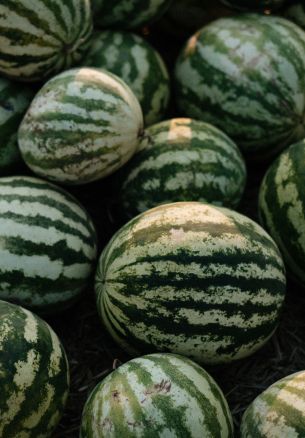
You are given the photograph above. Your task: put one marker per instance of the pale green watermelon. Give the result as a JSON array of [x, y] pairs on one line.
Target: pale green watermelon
[[157, 396], [48, 245], [14, 101], [82, 125], [34, 375], [278, 412], [127, 14], [192, 279], [182, 160], [282, 207], [139, 65], [39, 38], [245, 74]]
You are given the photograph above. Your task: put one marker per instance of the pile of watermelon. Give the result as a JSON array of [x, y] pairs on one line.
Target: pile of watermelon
[[133, 134]]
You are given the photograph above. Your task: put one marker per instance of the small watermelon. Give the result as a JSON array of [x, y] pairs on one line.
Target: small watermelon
[[47, 245], [34, 375], [139, 65], [127, 14], [192, 279], [282, 207], [14, 101], [154, 396], [279, 412], [246, 75], [39, 38], [183, 160], [254, 5], [82, 125]]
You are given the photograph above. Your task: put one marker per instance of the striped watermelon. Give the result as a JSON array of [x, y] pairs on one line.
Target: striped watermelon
[[254, 4], [82, 125], [183, 160], [246, 75], [127, 14], [282, 207], [192, 279], [39, 38], [158, 395], [279, 412], [296, 13], [14, 101], [135, 61], [34, 375], [47, 244]]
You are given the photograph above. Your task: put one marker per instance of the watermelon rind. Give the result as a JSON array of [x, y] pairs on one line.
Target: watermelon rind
[[34, 375], [193, 279], [158, 395]]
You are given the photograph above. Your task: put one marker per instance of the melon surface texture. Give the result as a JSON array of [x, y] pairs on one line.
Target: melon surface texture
[[192, 279]]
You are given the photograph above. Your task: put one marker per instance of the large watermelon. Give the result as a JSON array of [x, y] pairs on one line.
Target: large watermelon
[[39, 38], [282, 207], [183, 160], [14, 101], [154, 396], [34, 375], [246, 75], [136, 62], [256, 5], [127, 14], [47, 244], [82, 125], [192, 279], [279, 412]]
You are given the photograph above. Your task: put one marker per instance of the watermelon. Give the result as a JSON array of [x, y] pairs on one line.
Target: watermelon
[[246, 75], [259, 5], [183, 160], [193, 279], [34, 375], [39, 38], [81, 126], [282, 207], [127, 14], [158, 395], [139, 65], [47, 245], [14, 101], [279, 412], [296, 13]]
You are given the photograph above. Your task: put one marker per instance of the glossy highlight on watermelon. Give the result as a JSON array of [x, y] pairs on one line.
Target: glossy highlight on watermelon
[[81, 126], [183, 160], [245, 74], [154, 396], [40, 38], [48, 245], [139, 65], [282, 207], [192, 279], [34, 375], [279, 411]]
